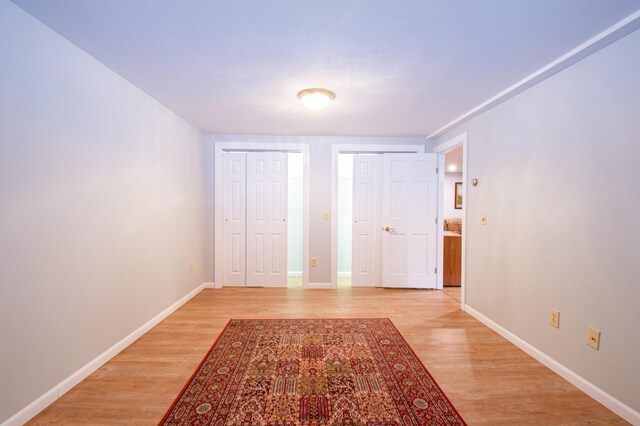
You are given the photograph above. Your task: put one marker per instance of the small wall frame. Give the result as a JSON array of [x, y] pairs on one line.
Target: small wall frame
[[458, 195]]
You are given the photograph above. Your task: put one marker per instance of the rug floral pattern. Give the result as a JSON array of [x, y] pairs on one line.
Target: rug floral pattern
[[311, 372]]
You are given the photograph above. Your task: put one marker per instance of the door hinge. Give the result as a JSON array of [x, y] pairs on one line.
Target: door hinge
[[437, 170], [436, 270], [436, 220]]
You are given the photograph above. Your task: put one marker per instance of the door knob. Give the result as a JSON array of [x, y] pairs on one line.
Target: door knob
[[389, 229]]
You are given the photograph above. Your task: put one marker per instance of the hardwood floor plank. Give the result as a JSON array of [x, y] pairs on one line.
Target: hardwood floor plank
[[489, 380]]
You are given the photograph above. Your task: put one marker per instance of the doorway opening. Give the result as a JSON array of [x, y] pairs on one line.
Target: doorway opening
[[453, 221], [455, 216], [345, 219], [294, 218]]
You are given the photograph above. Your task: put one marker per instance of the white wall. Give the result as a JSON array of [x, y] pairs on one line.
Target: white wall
[[555, 165], [450, 212], [102, 208], [320, 190]]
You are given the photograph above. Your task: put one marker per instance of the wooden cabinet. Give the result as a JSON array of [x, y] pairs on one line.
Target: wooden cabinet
[[452, 263]]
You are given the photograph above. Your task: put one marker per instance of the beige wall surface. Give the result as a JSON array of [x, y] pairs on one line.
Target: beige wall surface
[[319, 189], [558, 179], [102, 192]]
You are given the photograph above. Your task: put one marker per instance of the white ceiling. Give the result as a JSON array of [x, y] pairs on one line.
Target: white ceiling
[[397, 67]]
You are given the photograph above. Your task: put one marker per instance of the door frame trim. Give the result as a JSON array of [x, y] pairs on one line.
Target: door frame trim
[[218, 250], [443, 148], [336, 149]]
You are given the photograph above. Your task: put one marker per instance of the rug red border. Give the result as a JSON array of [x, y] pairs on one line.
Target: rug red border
[[186, 386], [427, 370]]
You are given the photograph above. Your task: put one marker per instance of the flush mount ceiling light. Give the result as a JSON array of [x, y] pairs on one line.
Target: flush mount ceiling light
[[316, 98], [452, 168]]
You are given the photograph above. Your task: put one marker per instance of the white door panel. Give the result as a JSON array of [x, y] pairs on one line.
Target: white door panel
[[410, 208], [266, 219], [366, 236], [234, 176]]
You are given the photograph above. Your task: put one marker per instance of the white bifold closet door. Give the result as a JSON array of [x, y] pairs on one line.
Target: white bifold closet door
[[266, 260], [366, 258], [235, 235], [409, 212]]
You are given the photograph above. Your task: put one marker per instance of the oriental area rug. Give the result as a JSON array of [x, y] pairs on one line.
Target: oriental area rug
[[311, 372]]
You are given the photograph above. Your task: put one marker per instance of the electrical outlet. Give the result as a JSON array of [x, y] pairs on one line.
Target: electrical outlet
[[593, 338], [314, 261], [192, 268], [326, 215], [483, 219], [554, 318]]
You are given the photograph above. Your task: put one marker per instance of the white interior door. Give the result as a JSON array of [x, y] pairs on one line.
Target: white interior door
[[267, 219], [234, 165], [366, 256], [409, 212]]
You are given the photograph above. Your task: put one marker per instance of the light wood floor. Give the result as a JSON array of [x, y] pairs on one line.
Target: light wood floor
[[489, 380], [453, 292]]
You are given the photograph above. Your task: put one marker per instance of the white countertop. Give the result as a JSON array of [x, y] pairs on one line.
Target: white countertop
[[452, 234]]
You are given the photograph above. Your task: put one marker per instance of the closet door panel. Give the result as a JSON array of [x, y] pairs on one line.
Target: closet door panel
[[267, 219], [235, 236]]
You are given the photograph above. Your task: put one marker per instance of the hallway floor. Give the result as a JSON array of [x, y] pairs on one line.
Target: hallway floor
[[489, 380]]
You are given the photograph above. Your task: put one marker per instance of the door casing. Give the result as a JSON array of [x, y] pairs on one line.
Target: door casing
[[460, 140]]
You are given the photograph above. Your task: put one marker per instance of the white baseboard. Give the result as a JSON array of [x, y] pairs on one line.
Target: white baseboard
[[64, 386], [613, 404], [210, 285], [319, 285]]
